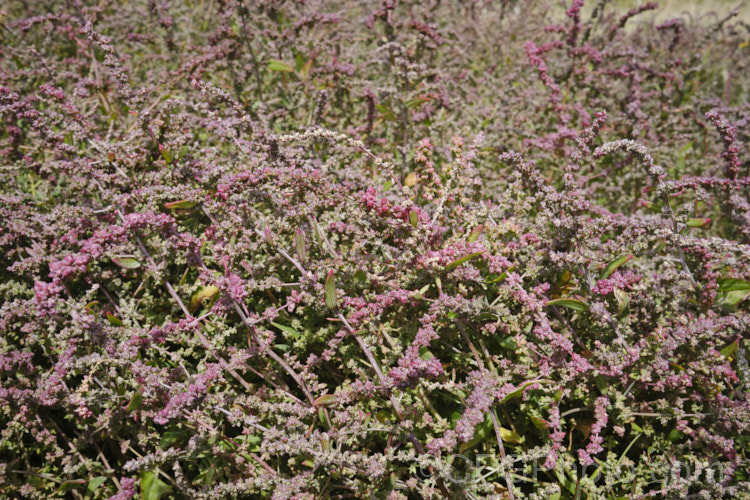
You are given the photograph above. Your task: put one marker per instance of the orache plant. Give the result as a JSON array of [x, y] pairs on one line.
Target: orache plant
[[387, 250]]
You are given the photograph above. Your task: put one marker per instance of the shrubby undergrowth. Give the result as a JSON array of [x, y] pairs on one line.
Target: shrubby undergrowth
[[372, 250]]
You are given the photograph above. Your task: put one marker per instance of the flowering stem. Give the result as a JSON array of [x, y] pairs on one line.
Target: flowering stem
[[176, 298], [656, 173], [495, 423]]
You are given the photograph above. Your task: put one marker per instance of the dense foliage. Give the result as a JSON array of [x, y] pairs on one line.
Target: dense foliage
[[417, 249]]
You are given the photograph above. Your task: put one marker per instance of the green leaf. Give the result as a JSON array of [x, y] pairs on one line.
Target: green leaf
[[35, 481], [168, 438], [113, 320], [576, 305], [205, 294], [330, 289], [454, 417], [519, 392], [501, 277], [153, 488], [166, 154], [595, 473], [251, 439], [299, 245], [674, 435], [94, 484], [731, 299], [391, 484], [411, 179], [539, 423], [287, 329], [612, 266], [558, 395], [135, 402], [322, 418], [278, 65], [416, 102], [206, 475], [325, 444], [425, 353], [414, 219], [383, 416], [69, 485], [487, 316], [460, 261], [387, 114], [510, 436], [299, 60], [90, 307], [508, 343], [474, 234], [731, 284], [182, 204], [732, 348], [564, 279], [698, 222], [623, 299], [420, 293], [126, 262], [325, 400], [563, 480]]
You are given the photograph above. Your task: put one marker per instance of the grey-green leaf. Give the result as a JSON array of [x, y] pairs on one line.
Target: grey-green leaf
[[330, 288], [153, 488], [94, 484], [299, 244], [474, 234], [730, 299], [731, 284], [135, 402], [576, 305], [414, 219], [180, 204], [612, 266], [126, 262], [287, 329], [698, 222], [460, 261], [623, 299], [277, 65]]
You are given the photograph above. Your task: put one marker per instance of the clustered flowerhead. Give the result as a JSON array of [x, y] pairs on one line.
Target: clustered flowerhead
[[303, 250]]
